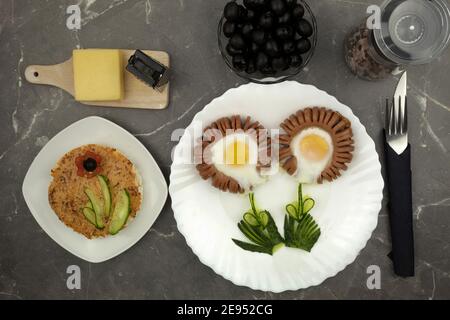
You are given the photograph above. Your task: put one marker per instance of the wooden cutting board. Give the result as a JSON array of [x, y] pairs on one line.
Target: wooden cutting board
[[137, 94]]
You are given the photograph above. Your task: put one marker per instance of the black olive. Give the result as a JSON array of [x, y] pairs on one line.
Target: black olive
[[231, 11], [266, 21], [239, 62], [251, 67], [229, 28], [251, 15], [268, 70], [304, 28], [278, 7], [291, 3], [258, 36], [280, 63], [303, 45], [242, 13], [250, 4], [288, 47], [89, 164], [272, 48], [262, 60], [284, 33], [298, 11], [296, 60], [254, 48], [247, 30], [261, 4], [285, 18], [233, 51], [237, 41]]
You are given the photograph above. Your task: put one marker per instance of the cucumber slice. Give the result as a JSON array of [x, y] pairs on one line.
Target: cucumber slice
[[97, 207], [120, 213], [89, 214], [104, 185]]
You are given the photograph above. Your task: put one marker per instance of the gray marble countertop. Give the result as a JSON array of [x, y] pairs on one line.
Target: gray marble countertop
[[161, 265]]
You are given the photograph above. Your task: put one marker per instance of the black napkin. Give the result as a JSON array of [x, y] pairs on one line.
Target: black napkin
[[398, 169]]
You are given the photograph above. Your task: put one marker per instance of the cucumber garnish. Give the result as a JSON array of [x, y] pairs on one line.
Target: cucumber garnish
[[104, 186], [259, 227], [97, 206], [120, 213], [300, 229], [88, 205], [90, 215]]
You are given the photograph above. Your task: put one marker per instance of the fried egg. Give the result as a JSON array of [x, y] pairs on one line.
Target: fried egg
[[313, 149], [236, 155]]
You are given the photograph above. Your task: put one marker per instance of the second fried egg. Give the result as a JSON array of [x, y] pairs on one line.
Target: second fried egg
[[313, 149]]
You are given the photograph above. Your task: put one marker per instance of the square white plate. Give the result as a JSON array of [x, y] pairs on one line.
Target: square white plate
[[99, 131]]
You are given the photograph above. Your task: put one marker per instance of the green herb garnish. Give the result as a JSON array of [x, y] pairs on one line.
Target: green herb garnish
[[300, 229], [260, 228]]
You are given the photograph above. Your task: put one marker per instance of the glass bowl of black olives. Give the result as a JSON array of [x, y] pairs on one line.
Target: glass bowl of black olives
[[267, 41]]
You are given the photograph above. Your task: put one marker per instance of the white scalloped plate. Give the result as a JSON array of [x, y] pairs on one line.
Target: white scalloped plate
[[346, 209]]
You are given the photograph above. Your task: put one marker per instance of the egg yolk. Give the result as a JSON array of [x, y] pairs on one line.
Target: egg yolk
[[236, 153], [314, 147]]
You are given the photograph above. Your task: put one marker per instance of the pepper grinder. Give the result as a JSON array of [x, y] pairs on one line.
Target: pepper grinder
[[410, 32]]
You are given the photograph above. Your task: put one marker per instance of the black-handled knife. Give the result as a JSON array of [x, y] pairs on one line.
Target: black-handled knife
[[398, 169]]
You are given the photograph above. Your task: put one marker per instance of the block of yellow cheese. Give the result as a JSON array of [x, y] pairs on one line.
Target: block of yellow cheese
[[98, 74]]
